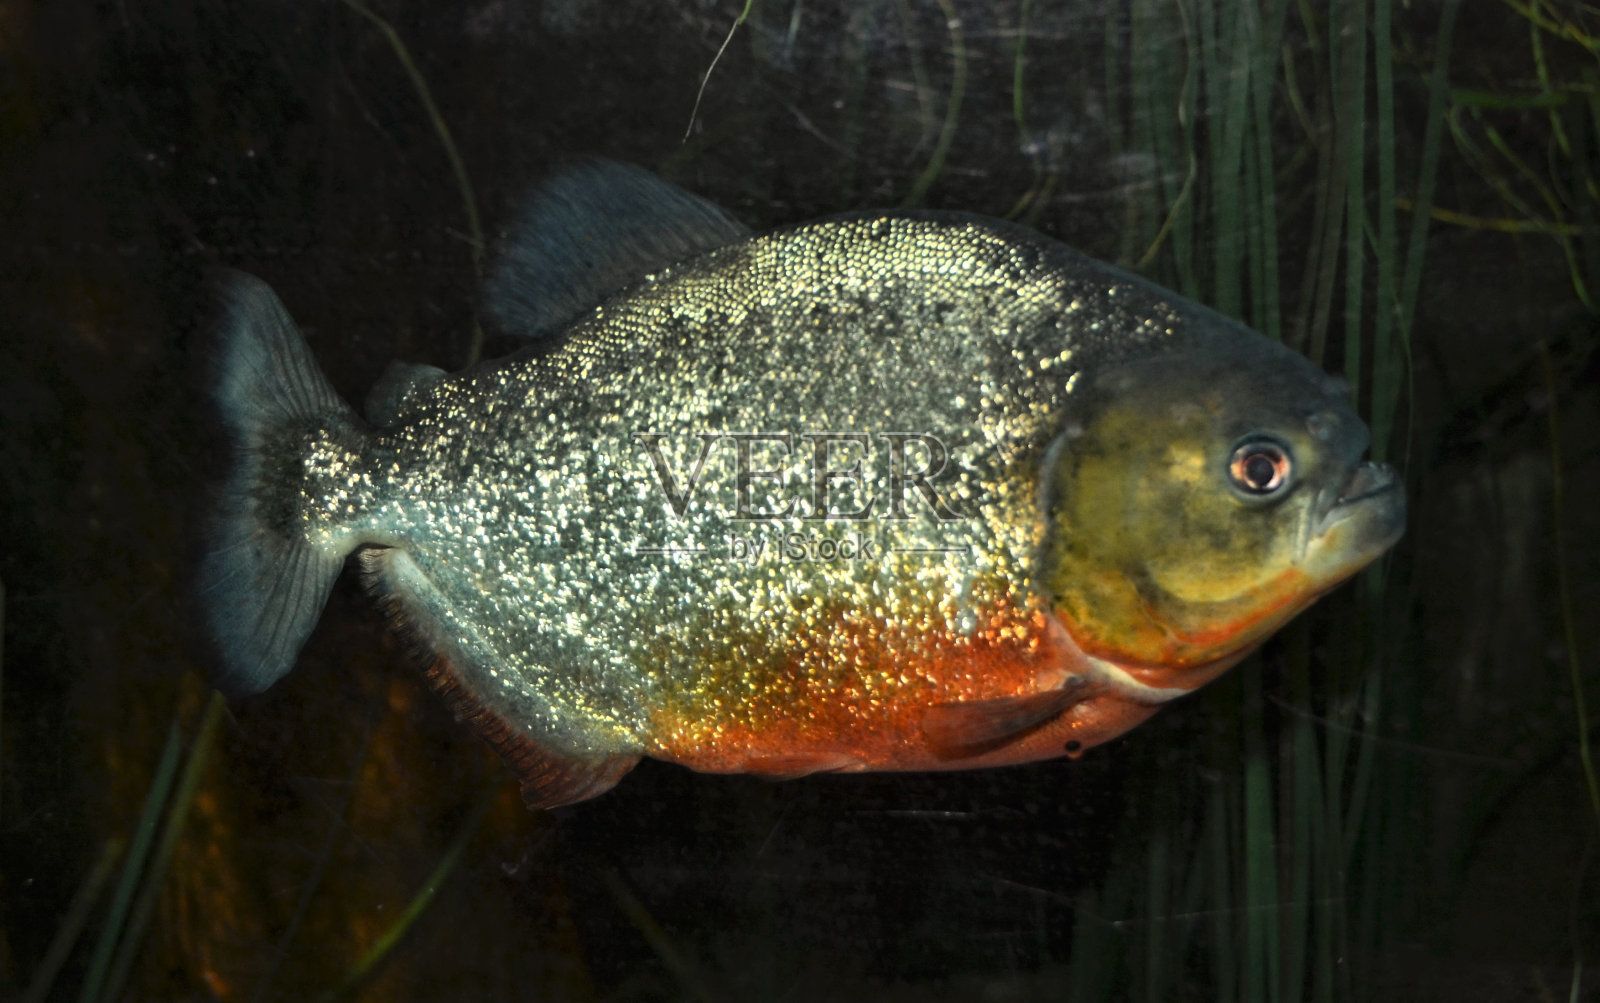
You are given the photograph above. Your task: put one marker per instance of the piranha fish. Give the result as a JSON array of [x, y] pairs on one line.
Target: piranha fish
[[887, 491]]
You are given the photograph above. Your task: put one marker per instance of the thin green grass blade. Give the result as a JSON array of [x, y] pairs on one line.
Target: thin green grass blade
[[337, 827], [1186, 101], [919, 73], [1117, 60], [161, 860], [133, 864], [1354, 91], [679, 965], [1260, 849], [1093, 950], [1387, 360], [1427, 176], [373, 960], [1043, 151], [1555, 225], [1019, 112], [1139, 240], [1296, 780], [1564, 586], [1322, 264], [952, 109], [3, 759], [458, 168], [1324, 880], [1347, 38], [1192, 895], [706, 78], [1164, 124], [1225, 56], [1225, 947], [1541, 68], [1263, 85], [73, 922], [1158, 873]]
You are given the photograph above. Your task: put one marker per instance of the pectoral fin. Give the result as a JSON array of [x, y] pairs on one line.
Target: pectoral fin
[[965, 728]]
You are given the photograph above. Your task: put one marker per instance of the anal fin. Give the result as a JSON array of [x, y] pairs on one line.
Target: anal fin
[[549, 779], [550, 776]]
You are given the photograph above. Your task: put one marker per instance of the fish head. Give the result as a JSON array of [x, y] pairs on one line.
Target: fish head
[[1196, 501]]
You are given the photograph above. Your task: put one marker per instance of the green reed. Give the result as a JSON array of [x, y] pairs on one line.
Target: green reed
[[372, 961], [2, 689], [133, 866], [142, 877], [73, 922], [1241, 105], [952, 109], [458, 168]]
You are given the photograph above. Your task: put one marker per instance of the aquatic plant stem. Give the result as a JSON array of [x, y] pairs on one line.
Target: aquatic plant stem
[[1427, 176], [161, 860], [457, 166], [132, 865], [2, 690], [1497, 224], [1387, 360], [73, 922], [379, 952], [952, 108], [1564, 586], [657, 937], [337, 826], [1030, 201], [706, 78]]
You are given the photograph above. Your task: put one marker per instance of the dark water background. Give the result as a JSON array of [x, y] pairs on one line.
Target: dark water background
[[142, 145]]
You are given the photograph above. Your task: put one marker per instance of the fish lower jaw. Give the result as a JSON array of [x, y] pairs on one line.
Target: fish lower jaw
[[1372, 500]]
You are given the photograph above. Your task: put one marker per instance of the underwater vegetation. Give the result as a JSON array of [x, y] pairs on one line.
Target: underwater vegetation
[[1395, 798]]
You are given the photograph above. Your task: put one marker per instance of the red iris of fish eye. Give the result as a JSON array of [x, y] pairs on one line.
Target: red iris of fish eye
[[1259, 467]]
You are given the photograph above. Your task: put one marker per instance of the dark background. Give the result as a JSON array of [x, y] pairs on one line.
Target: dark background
[[144, 144]]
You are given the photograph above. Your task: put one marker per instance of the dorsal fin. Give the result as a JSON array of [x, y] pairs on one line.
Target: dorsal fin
[[589, 232], [398, 385]]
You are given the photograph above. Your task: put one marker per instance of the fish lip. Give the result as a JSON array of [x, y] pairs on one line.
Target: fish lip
[[1367, 481], [1366, 513]]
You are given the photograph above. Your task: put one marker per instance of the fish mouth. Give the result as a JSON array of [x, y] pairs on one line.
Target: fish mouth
[[1365, 481], [1372, 501]]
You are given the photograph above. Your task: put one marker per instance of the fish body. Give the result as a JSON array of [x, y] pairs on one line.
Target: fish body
[[888, 491]]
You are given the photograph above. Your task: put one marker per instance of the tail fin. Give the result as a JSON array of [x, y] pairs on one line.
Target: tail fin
[[262, 583]]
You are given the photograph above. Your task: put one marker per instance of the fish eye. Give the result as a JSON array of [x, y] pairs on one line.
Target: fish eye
[[1260, 467]]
